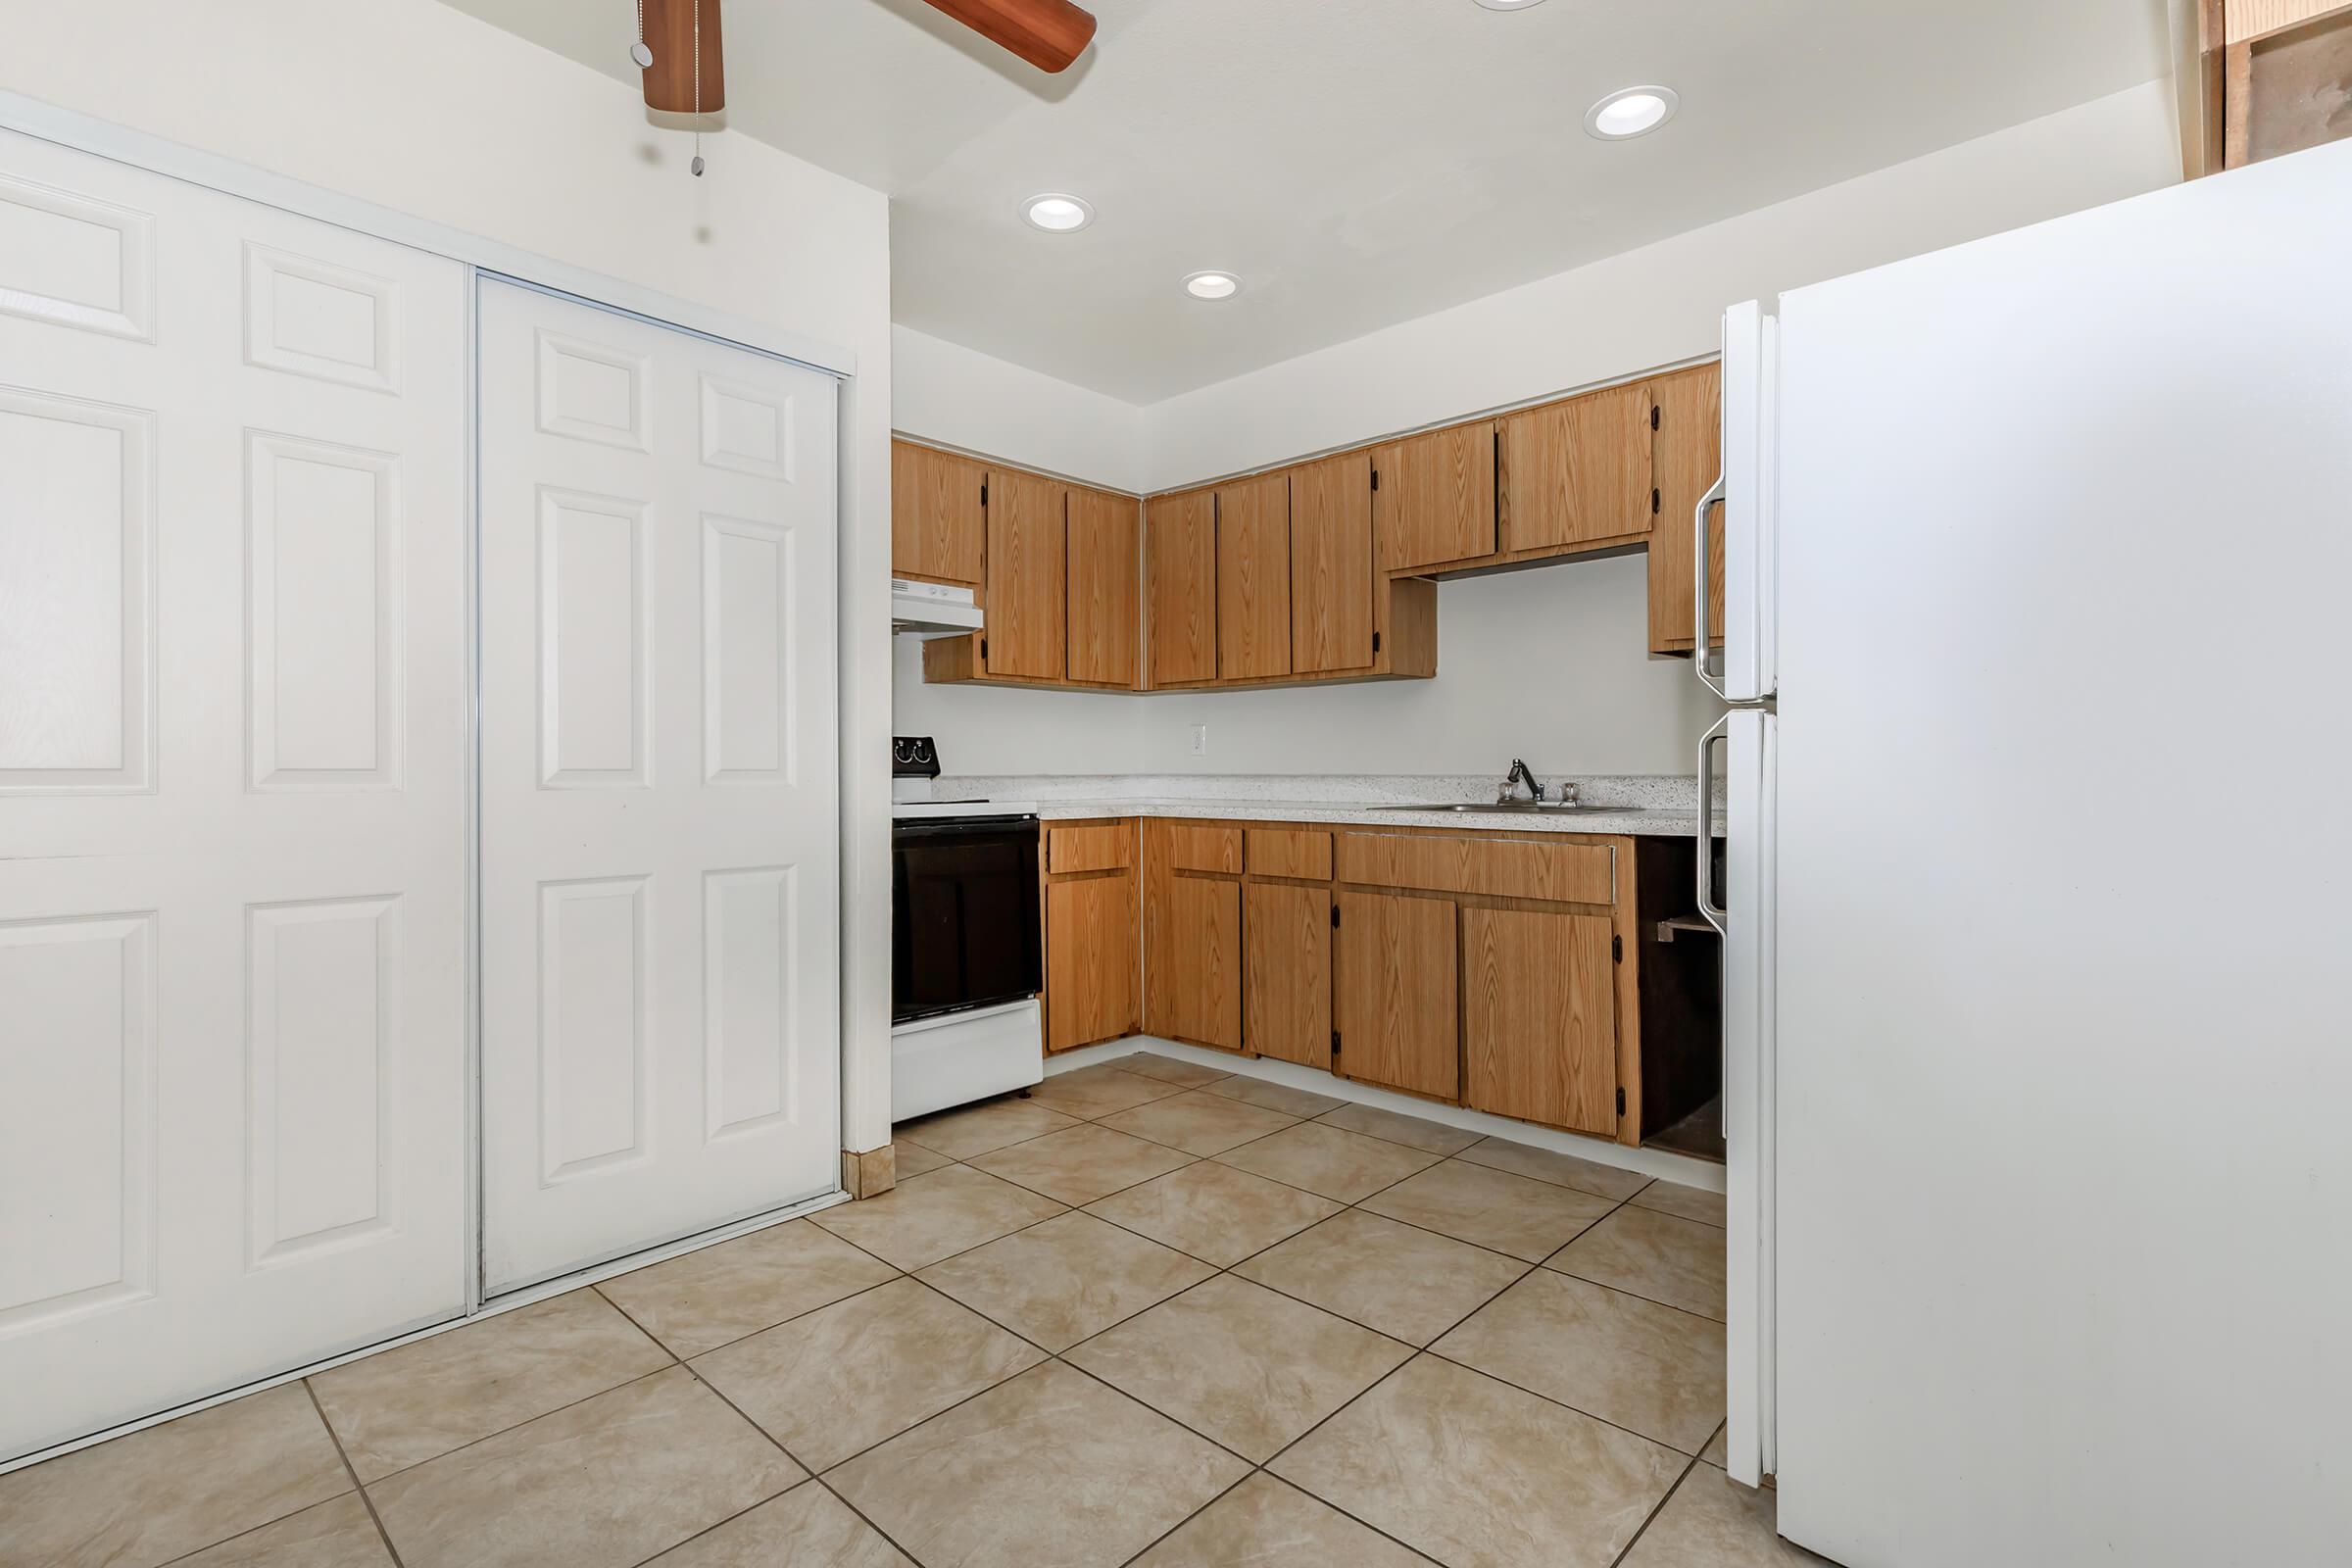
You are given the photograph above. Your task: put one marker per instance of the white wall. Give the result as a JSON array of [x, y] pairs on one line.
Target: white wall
[[1549, 664], [416, 107], [953, 396]]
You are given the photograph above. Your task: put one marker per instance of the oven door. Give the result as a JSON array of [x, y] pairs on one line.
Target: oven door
[[963, 914]]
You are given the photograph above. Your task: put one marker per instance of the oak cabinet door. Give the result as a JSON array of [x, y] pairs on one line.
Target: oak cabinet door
[[1025, 600], [1180, 545], [1331, 564], [1577, 471], [1393, 993], [1193, 980], [1090, 959], [935, 515], [1539, 1017], [1285, 968], [1435, 500], [1102, 588], [1689, 458], [1254, 578]]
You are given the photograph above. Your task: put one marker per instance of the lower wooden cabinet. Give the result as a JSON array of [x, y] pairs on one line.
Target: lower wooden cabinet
[[1539, 1017], [1481, 970], [1286, 969], [1393, 993], [1090, 959]]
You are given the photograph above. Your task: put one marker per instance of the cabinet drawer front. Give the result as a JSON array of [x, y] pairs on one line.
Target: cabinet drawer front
[[1206, 849], [1511, 868], [1089, 848], [1289, 852]]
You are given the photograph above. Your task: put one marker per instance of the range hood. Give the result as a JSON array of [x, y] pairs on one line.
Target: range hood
[[931, 610]]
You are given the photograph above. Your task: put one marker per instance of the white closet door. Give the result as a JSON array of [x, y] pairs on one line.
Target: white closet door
[[232, 810], [660, 838]]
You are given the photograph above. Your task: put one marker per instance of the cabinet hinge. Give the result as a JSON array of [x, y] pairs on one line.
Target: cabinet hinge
[[1376, 649], [1617, 946], [1335, 1042], [1335, 909], [1653, 503], [984, 492], [1621, 1100], [1375, 479], [1654, 416], [984, 659]]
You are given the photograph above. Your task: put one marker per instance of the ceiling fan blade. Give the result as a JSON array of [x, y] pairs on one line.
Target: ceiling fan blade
[[1048, 33], [676, 29]]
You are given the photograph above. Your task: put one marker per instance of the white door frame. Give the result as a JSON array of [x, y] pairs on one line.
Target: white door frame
[[102, 139]]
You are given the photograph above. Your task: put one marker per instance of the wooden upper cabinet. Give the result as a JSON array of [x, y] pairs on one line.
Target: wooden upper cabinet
[[1393, 992], [1435, 500], [1689, 459], [1254, 577], [1331, 564], [1180, 544], [1577, 471], [1539, 1017], [1024, 601], [1104, 636], [936, 516]]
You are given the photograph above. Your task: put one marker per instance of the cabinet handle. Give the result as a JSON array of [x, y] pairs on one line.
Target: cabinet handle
[[1701, 631], [1714, 914]]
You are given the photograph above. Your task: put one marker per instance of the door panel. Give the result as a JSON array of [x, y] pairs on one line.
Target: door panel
[[1102, 588], [1539, 1017], [233, 791], [1436, 501], [1254, 578], [660, 826], [1090, 959], [1331, 564], [1393, 993], [1286, 971], [1026, 603], [1181, 538], [1576, 471], [937, 519], [1690, 458]]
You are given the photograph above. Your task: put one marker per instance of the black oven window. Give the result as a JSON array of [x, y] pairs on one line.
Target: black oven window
[[964, 911]]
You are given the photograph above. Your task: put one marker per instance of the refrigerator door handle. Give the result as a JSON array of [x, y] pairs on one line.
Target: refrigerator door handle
[[1700, 633], [1715, 913]]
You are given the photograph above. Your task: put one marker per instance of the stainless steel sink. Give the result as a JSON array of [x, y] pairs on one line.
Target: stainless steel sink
[[1508, 808]]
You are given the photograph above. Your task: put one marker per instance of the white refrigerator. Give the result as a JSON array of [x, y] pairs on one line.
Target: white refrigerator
[[2037, 951]]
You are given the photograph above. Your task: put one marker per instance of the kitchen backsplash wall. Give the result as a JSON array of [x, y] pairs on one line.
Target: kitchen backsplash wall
[[1547, 664]]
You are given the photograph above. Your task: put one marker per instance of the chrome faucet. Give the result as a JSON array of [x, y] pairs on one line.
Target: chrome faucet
[[1518, 775]]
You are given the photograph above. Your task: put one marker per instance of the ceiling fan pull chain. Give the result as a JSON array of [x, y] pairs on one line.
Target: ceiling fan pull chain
[[638, 51], [697, 166]]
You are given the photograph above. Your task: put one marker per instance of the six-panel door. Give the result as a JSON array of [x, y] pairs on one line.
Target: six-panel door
[[660, 1042], [233, 791]]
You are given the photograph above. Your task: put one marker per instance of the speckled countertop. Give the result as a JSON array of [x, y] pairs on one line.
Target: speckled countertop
[[1655, 803]]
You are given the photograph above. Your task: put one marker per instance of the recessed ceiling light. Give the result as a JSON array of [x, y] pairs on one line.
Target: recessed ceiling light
[[1630, 112], [1057, 214], [1212, 285], [1509, 5]]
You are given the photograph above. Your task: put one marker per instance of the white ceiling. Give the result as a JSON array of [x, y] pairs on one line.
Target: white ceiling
[[1358, 161]]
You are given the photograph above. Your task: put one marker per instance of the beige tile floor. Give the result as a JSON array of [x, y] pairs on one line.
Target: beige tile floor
[[1151, 1314]]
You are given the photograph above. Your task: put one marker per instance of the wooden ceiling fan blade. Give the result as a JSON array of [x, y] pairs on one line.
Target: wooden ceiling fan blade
[[678, 32], [1048, 33]]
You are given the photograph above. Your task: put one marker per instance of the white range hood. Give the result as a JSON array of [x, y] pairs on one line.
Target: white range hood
[[931, 610]]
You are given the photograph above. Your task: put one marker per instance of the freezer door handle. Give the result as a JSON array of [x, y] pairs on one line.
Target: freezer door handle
[[1700, 633], [1716, 915]]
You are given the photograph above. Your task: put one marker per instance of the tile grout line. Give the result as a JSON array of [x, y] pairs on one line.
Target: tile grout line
[[1651, 1517], [351, 1470]]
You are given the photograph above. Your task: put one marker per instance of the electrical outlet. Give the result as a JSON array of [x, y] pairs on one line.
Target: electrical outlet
[[1199, 740]]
